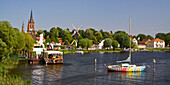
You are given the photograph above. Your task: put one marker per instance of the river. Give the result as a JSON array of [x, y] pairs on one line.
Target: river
[[80, 70]]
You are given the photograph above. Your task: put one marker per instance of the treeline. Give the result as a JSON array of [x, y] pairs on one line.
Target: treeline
[[12, 41], [95, 36], [163, 36]]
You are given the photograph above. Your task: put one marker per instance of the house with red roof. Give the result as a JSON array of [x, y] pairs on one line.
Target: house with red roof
[[144, 42], [156, 43]]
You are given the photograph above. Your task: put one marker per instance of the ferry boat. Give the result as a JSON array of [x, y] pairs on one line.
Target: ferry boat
[[53, 57], [125, 65]]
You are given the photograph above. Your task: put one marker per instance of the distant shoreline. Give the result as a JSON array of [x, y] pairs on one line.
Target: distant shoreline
[[116, 51]]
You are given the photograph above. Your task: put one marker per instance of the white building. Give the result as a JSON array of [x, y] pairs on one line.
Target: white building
[[156, 43], [135, 41], [100, 45]]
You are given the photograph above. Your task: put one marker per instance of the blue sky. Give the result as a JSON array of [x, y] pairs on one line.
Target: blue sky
[[148, 16]]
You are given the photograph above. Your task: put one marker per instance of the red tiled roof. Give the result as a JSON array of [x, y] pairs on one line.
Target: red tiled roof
[[157, 39], [144, 40]]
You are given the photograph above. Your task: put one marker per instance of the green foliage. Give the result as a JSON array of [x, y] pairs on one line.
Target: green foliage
[[40, 32], [85, 43], [53, 32], [89, 43], [115, 34], [48, 40], [99, 36], [123, 39], [45, 44], [3, 49], [114, 44], [19, 43], [167, 39], [66, 35], [161, 36], [82, 33], [12, 41], [10, 79], [95, 41], [29, 42], [46, 34], [149, 37], [108, 35], [6, 34], [59, 31], [89, 34], [107, 42], [141, 37]]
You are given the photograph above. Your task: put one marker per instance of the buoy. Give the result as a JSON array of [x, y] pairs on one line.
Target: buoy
[[154, 61], [95, 64]]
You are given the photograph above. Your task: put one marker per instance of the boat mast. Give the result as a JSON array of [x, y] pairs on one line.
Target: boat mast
[[130, 38]]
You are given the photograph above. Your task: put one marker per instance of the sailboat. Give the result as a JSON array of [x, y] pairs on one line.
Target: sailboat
[[125, 65]]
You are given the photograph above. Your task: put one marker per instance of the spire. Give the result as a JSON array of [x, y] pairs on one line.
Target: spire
[[31, 18], [22, 26]]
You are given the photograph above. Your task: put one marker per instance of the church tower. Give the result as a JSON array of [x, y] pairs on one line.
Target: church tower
[[23, 27], [31, 27]]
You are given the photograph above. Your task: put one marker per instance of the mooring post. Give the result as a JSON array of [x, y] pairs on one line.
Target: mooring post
[[95, 64], [154, 64]]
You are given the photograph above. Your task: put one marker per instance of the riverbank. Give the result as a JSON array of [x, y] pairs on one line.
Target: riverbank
[[158, 49], [111, 50], [11, 79], [90, 51]]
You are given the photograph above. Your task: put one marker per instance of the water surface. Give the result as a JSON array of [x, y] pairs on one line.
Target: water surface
[[79, 70]]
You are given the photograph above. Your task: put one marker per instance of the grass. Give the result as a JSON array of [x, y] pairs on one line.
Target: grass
[[89, 51], [11, 79], [158, 49]]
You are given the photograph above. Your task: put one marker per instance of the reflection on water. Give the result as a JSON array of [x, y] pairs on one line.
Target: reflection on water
[[48, 73], [79, 70], [128, 77]]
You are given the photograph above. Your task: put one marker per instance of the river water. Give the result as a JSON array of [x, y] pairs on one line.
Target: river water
[[80, 70]]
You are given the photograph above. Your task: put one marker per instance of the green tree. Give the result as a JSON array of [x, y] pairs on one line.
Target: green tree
[[115, 34], [161, 36], [59, 31], [48, 40], [114, 44], [89, 34], [141, 37], [3, 49], [103, 33], [46, 33], [85, 43], [6, 34], [54, 32], [149, 37], [108, 35], [19, 41], [89, 43], [167, 39], [40, 32], [66, 35], [82, 43], [29, 42], [82, 33], [99, 36], [123, 39], [95, 41], [107, 42]]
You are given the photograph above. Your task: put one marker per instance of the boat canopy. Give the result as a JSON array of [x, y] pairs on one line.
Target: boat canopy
[[53, 52], [127, 60]]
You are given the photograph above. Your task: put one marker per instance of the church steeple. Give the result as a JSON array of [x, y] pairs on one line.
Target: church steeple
[[31, 18], [31, 27]]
